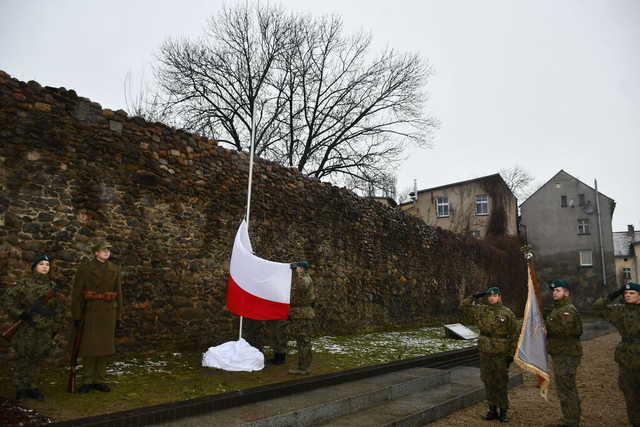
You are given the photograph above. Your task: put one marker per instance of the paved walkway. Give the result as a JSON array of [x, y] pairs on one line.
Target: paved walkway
[[602, 400]]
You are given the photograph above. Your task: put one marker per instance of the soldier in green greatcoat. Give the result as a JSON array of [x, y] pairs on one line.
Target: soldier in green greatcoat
[[96, 307], [301, 315], [42, 321], [497, 345], [626, 318], [564, 328]]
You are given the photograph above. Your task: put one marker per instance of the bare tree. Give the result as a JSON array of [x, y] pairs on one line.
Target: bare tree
[[519, 181], [321, 101]]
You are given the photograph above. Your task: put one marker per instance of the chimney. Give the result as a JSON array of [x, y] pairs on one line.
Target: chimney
[[630, 230]]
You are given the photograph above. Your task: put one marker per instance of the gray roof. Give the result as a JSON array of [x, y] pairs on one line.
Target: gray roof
[[622, 242]]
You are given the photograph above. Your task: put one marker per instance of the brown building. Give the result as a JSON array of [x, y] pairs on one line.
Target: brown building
[[479, 207]]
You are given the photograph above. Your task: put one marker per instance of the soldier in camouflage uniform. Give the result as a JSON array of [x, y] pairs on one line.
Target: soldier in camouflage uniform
[[626, 318], [301, 314], [42, 321], [497, 344], [564, 328]]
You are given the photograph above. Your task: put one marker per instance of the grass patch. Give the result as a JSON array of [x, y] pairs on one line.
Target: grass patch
[[151, 378]]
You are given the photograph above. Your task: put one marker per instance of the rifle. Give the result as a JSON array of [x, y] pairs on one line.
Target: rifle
[[35, 308], [75, 350]]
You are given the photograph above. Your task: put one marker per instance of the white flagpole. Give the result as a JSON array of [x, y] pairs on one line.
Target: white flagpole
[[252, 137]]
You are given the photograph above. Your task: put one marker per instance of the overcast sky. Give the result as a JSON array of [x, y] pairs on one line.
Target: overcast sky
[[544, 84]]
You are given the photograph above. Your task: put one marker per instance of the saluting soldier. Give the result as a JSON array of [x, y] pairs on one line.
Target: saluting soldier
[[497, 344], [42, 321], [564, 328], [97, 306], [301, 313], [626, 318]]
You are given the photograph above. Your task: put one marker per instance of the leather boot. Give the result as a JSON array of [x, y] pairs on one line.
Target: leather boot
[[492, 414], [85, 388], [278, 359], [22, 394], [101, 387], [503, 416], [36, 394]]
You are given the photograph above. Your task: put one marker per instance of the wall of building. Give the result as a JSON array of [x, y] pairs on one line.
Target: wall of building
[[462, 208], [170, 203], [552, 230]]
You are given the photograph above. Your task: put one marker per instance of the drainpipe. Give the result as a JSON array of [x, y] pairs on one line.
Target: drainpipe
[[604, 270]]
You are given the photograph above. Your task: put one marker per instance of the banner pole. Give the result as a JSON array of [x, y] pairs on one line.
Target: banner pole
[[251, 148]]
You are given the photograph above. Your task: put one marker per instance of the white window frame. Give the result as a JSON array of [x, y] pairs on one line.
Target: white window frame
[[482, 200], [442, 207], [476, 234], [626, 274], [584, 226], [583, 259]]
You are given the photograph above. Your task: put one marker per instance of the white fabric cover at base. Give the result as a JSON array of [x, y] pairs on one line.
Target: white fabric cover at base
[[234, 356]]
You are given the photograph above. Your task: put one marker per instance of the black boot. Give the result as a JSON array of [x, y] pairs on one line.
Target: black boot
[[22, 394], [278, 358], [101, 387], [492, 414], [503, 416], [85, 388], [36, 394]]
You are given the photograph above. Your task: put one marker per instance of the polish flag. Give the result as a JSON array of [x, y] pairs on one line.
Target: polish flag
[[257, 288]]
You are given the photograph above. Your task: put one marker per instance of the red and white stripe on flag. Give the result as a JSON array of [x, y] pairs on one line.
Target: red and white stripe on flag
[[257, 288]]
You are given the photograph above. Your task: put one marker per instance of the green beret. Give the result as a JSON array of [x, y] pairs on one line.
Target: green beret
[[303, 264], [632, 287], [99, 245], [494, 290], [37, 260], [559, 284]]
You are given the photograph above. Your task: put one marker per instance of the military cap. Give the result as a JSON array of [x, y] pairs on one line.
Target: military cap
[[631, 286], [303, 264], [494, 290], [99, 245], [37, 260], [559, 284]]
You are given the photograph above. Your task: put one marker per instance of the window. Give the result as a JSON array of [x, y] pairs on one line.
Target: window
[[563, 201], [475, 234], [586, 259], [583, 226], [482, 204], [626, 274], [442, 206], [581, 200]]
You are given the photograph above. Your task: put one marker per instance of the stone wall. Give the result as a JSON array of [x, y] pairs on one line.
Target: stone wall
[[170, 203]]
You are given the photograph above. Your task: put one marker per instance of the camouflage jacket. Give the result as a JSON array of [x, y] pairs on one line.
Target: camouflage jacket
[[564, 328], [626, 319], [27, 290], [497, 324], [303, 296]]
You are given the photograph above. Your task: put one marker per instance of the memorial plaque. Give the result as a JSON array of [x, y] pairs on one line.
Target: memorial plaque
[[459, 331]]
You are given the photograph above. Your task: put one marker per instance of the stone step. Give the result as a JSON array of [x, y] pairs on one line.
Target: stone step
[[316, 406], [418, 409]]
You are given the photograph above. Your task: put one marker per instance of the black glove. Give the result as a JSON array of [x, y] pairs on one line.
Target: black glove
[[479, 294], [77, 324], [616, 294], [509, 360], [26, 317], [293, 266]]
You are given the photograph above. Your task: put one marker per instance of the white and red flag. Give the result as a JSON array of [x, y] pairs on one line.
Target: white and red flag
[[257, 288]]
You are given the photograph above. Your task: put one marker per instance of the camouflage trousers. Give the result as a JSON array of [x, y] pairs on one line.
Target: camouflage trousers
[[280, 335], [32, 346], [564, 372], [629, 382], [300, 329], [494, 373]]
